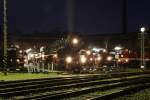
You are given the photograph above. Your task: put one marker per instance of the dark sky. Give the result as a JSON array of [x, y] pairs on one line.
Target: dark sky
[[88, 16]]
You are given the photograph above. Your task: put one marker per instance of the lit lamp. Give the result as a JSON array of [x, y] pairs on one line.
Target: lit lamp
[[83, 59], [55, 55], [109, 58], [68, 60], [88, 52], [75, 41], [143, 29], [99, 58]]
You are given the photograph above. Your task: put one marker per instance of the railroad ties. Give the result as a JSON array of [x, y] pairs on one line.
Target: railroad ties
[[92, 87]]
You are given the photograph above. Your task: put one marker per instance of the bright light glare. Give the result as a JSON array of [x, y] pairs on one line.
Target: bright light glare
[[83, 59], [143, 29], [18, 60], [20, 51], [88, 52], [104, 50], [117, 48], [109, 58], [126, 60], [91, 59], [142, 66], [36, 55], [96, 49], [43, 56], [55, 55], [75, 41], [68, 59], [25, 60], [99, 58]]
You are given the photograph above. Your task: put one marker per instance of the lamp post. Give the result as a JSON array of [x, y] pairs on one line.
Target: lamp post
[[142, 46], [5, 34]]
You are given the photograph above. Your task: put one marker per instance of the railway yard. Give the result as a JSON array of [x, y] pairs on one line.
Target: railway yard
[[117, 86]]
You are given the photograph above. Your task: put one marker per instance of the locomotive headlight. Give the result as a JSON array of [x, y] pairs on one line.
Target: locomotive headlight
[[109, 58], [69, 59]]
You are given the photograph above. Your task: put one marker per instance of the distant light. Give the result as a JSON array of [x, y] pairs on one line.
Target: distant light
[[104, 50], [55, 56], [18, 60], [83, 59], [99, 58], [117, 48], [36, 55], [121, 55], [42, 49], [142, 66], [20, 51], [88, 52], [119, 60], [96, 49], [25, 60], [75, 41], [142, 29], [127, 60], [43, 55], [68, 59], [109, 58], [91, 59], [17, 69]]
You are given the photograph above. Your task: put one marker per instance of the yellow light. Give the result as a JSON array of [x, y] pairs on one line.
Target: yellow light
[[25, 60], [55, 56], [75, 41], [119, 60], [121, 55], [104, 50], [68, 59], [36, 55], [99, 58], [109, 58], [88, 52], [91, 59], [20, 51], [83, 59], [18, 60], [127, 60], [43, 55]]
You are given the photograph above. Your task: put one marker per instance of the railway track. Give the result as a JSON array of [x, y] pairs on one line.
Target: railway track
[[85, 90], [60, 88]]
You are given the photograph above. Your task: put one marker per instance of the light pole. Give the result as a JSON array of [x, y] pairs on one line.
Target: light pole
[[142, 37], [5, 34], [5, 27]]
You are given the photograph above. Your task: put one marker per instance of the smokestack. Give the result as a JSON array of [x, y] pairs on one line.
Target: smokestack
[[124, 16]]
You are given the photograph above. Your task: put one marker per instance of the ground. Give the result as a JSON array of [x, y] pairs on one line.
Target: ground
[[24, 76]]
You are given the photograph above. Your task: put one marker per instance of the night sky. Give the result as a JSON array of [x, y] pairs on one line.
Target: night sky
[[87, 16]]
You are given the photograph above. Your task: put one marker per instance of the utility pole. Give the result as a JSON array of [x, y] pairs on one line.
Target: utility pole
[[5, 34], [142, 37], [5, 27]]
